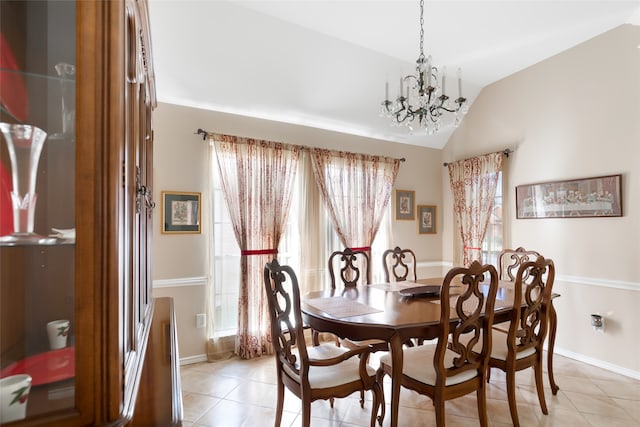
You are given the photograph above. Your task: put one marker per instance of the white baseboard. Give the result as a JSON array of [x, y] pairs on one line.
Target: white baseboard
[[598, 363], [193, 359]]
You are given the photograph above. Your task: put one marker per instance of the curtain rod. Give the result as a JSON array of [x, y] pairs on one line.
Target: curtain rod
[[202, 132], [205, 134], [506, 152]]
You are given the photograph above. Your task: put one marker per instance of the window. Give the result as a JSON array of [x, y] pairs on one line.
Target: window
[[226, 255], [379, 245], [492, 243], [226, 259]]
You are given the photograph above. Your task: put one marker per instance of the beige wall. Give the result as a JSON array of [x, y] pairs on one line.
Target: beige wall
[[572, 116], [180, 164], [575, 115]]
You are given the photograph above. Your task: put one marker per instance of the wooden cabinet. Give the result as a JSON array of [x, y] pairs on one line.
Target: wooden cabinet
[[94, 176]]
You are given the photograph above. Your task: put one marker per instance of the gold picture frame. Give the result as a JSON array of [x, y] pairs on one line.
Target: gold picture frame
[[405, 205], [426, 219], [180, 212]]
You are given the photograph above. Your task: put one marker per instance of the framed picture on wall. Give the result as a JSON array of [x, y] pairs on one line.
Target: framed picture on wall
[[575, 198], [180, 212], [405, 204], [426, 219]]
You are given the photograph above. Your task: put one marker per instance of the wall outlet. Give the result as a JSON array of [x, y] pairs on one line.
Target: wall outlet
[[597, 322], [201, 320]]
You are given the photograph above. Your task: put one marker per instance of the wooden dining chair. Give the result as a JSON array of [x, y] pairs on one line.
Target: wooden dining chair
[[449, 369], [510, 260], [316, 372], [521, 346], [350, 267], [347, 266], [399, 263]]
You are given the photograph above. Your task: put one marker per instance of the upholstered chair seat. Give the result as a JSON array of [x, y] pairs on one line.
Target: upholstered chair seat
[[414, 365]]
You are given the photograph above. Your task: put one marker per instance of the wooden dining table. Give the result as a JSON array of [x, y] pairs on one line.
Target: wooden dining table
[[379, 311]]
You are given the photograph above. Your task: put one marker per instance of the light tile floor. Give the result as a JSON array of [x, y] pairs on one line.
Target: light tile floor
[[236, 393]]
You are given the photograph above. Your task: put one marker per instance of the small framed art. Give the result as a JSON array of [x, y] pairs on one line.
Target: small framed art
[[405, 204], [180, 212], [426, 219]]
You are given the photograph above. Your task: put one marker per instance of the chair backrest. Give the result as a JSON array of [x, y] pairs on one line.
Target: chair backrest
[[351, 262], [471, 315], [287, 335], [533, 285], [401, 263], [510, 260]]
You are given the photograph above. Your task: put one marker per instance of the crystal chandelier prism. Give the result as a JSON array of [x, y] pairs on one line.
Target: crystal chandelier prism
[[422, 101]]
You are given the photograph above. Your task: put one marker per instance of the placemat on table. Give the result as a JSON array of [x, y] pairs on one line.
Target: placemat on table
[[341, 307]]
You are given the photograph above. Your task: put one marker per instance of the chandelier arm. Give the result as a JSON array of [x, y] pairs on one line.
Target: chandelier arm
[[408, 115], [455, 110]]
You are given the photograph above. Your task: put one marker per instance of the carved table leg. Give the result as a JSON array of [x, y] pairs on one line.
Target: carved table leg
[[553, 323], [396, 377]]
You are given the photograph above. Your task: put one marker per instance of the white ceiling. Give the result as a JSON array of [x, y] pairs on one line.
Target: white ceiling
[[325, 63]]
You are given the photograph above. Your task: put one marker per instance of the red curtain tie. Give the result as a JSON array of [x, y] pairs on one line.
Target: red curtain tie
[[363, 249], [259, 252], [476, 249]]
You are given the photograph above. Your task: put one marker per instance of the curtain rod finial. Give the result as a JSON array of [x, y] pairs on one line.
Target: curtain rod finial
[[203, 133]]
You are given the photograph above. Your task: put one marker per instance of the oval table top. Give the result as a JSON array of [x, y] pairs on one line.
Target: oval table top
[[379, 310]]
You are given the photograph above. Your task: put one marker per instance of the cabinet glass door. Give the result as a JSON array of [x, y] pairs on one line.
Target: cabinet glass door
[[37, 207]]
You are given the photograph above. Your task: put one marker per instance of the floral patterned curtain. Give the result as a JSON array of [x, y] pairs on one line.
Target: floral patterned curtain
[[473, 183], [356, 189], [257, 179]]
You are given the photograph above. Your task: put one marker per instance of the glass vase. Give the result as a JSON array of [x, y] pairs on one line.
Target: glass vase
[[67, 73], [24, 143]]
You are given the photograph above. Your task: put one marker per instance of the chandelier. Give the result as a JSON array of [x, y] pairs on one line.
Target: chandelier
[[422, 98]]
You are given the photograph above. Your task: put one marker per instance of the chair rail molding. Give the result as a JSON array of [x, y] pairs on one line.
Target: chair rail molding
[[603, 283]]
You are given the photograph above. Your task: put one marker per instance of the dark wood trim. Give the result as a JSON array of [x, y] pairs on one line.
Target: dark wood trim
[[159, 400]]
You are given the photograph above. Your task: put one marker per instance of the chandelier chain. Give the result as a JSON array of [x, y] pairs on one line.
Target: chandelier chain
[[421, 30]]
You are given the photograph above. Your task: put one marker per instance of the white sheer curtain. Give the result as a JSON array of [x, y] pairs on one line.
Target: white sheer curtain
[[473, 183], [312, 223], [356, 189], [257, 179], [212, 298], [223, 276]]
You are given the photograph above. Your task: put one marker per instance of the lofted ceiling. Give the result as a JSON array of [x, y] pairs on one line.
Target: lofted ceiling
[[325, 63]]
